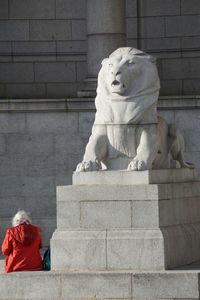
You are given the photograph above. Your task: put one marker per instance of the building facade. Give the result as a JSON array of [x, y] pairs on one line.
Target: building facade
[[44, 126]]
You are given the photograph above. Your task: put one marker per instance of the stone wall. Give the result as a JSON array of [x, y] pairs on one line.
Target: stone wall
[[38, 151], [41, 144], [42, 48], [43, 45], [170, 31]]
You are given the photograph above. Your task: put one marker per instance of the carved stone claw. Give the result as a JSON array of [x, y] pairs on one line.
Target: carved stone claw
[[137, 165], [86, 166]]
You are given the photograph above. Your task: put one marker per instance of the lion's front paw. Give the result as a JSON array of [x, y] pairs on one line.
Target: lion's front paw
[[86, 166], [137, 165]]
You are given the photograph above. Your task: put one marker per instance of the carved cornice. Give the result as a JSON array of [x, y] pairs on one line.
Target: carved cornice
[[87, 104]]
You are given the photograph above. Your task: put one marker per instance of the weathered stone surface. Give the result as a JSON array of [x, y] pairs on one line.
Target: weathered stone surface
[[79, 30], [108, 286], [55, 72], [17, 72], [48, 30], [81, 70], [60, 90], [5, 48], [77, 250], [135, 249], [152, 27], [135, 178], [70, 9], [131, 8], [72, 46], [4, 9], [33, 289], [30, 143], [132, 28], [68, 216], [103, 285], [2, 144], [165, 285], [85, 209], [171, 87], [189, 8], [27, 89], [159, 8], [12, 123], [53, 123], [161, 43], [105, 214], [188, 121], [178, 69], [39, 9], [182, 26], [190, 86], [29, 47], [107, 192], [13, 30], [111, 12]]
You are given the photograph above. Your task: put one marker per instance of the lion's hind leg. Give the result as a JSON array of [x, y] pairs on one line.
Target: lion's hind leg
[[177, 148], [147, 148]]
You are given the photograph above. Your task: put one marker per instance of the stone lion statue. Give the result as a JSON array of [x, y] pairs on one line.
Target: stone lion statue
[[127, 133]]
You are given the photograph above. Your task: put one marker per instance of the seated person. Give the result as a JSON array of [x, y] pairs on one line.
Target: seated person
[[21, 245]]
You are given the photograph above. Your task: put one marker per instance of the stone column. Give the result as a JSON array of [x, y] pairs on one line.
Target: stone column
[[106, 31]]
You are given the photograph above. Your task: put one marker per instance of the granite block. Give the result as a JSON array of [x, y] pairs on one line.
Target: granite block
[[55, 72], [39, 9], [14, 30], [50, 30]]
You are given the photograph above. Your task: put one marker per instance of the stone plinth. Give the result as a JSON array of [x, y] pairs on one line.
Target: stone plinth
[[127, 221], [170, 285], [135, 178]]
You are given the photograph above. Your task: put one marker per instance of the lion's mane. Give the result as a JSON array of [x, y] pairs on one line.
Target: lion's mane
[[141, 95]]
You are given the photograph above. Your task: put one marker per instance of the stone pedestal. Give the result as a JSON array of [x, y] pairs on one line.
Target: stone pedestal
[[115, 238], [110, 220]]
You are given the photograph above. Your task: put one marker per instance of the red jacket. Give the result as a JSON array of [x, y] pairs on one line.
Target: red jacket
[[21, 246]]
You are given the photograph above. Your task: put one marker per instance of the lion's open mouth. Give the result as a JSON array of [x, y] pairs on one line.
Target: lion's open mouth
[[115, 82]]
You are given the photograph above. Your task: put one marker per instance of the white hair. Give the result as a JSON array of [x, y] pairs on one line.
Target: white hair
[[21, 217]]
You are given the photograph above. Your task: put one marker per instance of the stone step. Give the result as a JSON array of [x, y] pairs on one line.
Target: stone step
[[51, 285], [1, 264]]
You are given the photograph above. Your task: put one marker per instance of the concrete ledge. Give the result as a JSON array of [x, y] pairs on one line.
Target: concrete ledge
[[135, 177], [123, 285]]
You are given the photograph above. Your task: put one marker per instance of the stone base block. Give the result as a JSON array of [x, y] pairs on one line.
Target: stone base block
[[136, 249], [127, 206], [170, 285], [107, 250], [135, 177]]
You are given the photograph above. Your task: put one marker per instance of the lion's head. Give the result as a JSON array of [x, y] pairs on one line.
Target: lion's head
[[128, 72], [128, 88]]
